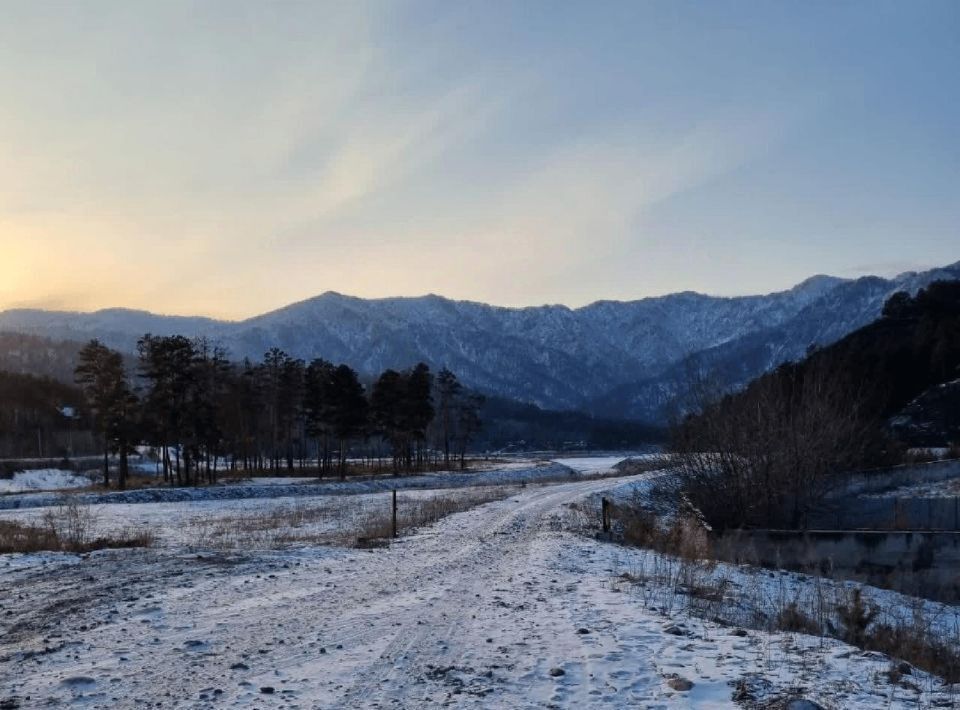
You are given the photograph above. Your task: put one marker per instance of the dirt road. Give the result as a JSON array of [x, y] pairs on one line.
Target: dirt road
[[465, 611], [503, 606]]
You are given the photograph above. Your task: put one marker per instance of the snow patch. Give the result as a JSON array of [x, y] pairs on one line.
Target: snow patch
[[44, 479]]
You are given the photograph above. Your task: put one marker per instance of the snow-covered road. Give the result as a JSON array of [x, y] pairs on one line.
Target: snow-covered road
[[495, 607]]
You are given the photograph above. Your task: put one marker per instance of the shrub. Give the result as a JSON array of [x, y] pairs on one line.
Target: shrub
[[792, 618], [67, 528], [856, 616]]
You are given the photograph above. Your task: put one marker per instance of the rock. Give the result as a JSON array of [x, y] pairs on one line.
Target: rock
[[557, 672], [681, 684], [674, 630], [738, 632], [905, 668], [582, 630], [267, 690], [239, 667]]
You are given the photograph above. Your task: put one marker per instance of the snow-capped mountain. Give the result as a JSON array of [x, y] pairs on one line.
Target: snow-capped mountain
[[618, 358]]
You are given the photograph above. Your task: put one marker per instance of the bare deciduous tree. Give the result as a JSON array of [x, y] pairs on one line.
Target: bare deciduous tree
[[768, 455]]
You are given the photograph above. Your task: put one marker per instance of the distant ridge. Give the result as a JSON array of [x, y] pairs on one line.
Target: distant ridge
[[614, 358]]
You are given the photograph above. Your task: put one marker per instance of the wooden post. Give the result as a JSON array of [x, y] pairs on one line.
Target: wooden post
[[605, 514], [394, 517]]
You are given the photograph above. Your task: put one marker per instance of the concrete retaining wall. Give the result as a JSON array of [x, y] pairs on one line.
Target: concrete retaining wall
[[921, 563], [888, 513]]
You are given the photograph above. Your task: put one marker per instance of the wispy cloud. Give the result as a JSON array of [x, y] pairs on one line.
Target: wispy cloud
[[225, 157]]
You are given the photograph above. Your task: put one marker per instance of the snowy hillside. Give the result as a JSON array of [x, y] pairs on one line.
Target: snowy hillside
[[613, 357]]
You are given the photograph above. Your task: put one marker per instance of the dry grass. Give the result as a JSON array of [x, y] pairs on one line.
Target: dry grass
[[792, 618], [67, 528], [270, 529], [682, 537], [351, 521], [413, 513], [668, 584]]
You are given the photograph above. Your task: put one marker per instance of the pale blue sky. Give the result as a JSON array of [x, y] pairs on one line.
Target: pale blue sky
[[229, 157]]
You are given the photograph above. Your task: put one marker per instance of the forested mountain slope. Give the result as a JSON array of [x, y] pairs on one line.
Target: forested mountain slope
[[614, 358]]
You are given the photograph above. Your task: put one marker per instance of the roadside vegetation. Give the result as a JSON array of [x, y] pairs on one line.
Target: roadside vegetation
[[414, 513], [677, 572], [358, 520]]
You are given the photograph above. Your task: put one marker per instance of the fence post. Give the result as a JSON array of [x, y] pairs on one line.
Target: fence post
[[605, 514], [393, 520]]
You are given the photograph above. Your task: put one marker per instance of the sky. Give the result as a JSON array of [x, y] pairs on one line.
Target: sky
[[227, 158]]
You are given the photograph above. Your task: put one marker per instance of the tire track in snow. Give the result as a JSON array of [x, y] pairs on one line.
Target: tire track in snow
[[274, 613]]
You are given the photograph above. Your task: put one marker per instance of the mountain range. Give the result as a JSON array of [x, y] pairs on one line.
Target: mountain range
[[625, 359]]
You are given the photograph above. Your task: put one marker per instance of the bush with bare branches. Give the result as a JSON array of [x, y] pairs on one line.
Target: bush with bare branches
[[766, 456]]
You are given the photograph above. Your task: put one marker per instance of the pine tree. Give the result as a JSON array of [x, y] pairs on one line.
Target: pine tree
[[418, 409], [316, 405], [468, 422], [168, 366], [347, 409], [100, 373], [386, 402], [448, 393]]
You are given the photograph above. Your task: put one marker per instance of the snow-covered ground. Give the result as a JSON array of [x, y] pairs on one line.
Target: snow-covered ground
[[532, 472], [252, 523], [502, 606], [591, 464], [45, 479]]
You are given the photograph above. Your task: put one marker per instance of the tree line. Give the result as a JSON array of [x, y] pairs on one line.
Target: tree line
[[39, 418], [201, 411]]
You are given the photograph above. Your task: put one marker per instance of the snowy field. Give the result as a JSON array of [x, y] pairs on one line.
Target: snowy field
[[507, 605], [253, 523], [530, 472], [45, 479]]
